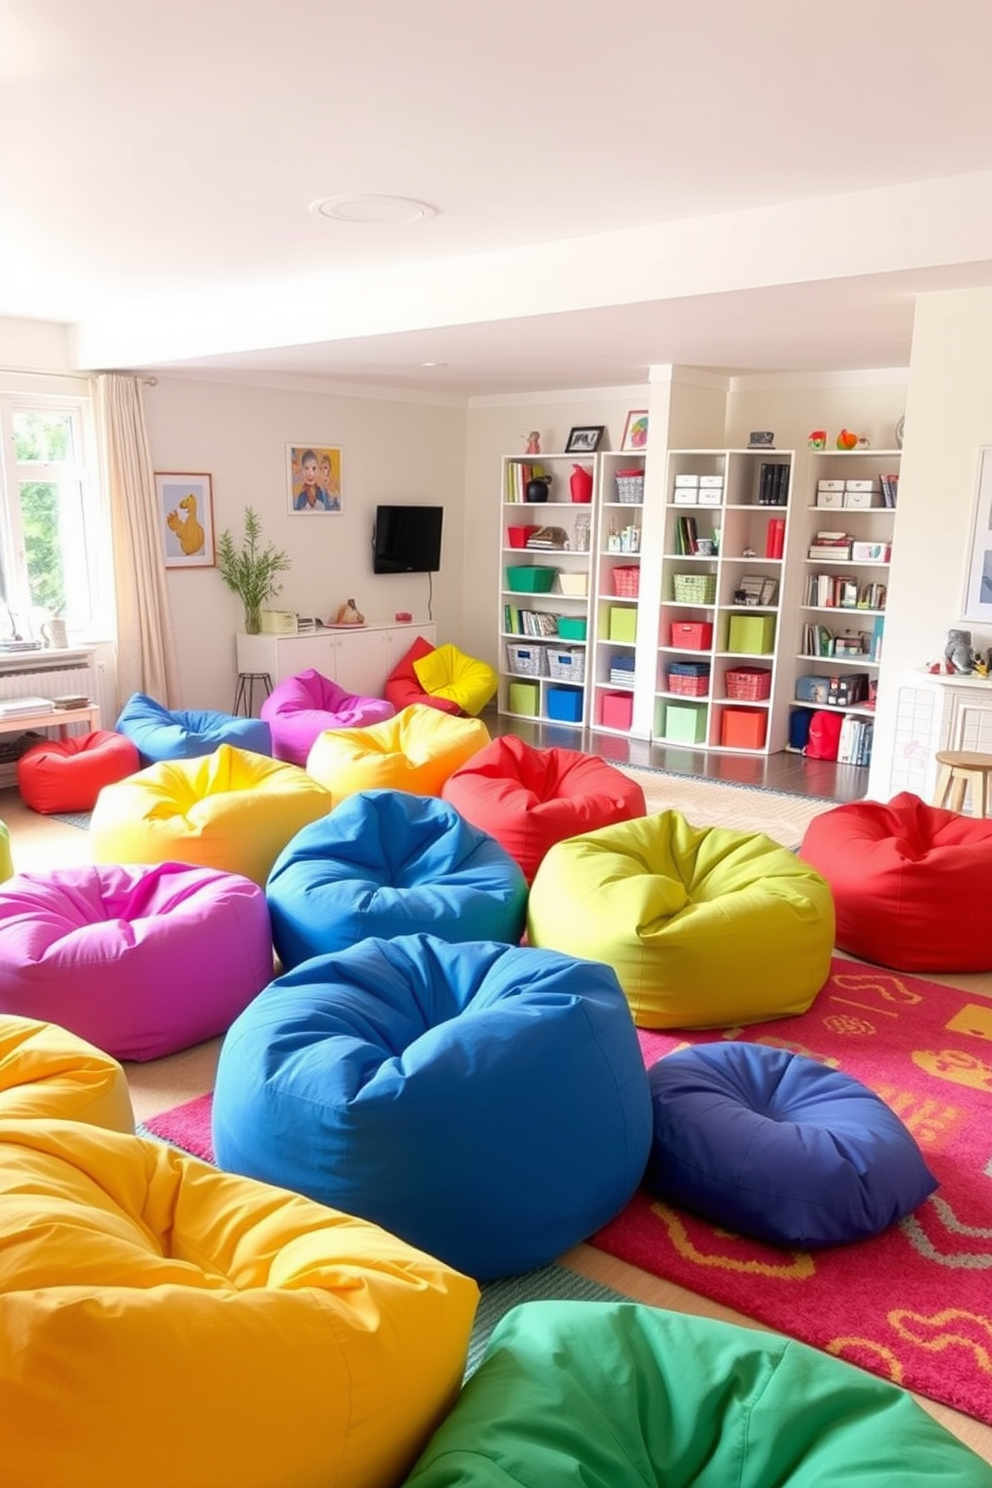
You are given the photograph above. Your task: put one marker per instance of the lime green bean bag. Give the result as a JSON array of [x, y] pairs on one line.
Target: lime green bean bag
[[618, 1395], [6, 862], [705, 927]]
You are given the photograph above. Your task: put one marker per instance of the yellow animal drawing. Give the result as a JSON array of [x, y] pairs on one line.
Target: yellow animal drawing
[[188, 529]]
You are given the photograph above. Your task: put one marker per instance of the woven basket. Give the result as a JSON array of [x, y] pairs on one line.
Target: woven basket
[[630, 489], [749, 684], [528, 661], [689, 686], [694, 588], [627, 580], [567, 666]]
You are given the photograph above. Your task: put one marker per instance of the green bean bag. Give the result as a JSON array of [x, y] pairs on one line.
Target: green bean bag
[[705, 927], [619, 1395], [6, 862]]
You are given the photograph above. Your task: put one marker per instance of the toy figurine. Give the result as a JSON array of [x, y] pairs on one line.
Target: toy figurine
[[533, 442], [817, 439], [958, 651]]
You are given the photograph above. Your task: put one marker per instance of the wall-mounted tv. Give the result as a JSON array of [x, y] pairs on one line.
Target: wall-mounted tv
[[407, 539]]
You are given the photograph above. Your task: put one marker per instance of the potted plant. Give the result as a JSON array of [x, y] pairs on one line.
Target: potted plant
[[250, 570]]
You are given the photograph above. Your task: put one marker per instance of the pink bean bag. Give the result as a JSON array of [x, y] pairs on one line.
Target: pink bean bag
[[139, 960], [301, 707], [529, 799], [910, 882], [69, 774]]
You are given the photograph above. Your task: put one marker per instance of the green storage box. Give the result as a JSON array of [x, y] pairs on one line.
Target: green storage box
[[685, 723], [524, 697], [623, 623], [571, 630], [753, 635], [530, 578]]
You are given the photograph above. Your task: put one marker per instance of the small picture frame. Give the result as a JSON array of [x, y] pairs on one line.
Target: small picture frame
[[186, 506], [635, 430], [584, 440], [314, 479]]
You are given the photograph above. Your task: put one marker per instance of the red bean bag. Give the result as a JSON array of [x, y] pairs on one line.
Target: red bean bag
[[69, 774], [529, 799], [403, 685], [910, 882]]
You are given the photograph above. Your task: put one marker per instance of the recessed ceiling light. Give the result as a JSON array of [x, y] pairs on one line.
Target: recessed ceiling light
[[433, 364], [375, 209]]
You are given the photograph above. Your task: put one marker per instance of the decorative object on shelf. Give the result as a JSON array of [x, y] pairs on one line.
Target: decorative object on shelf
[[900, 431], [580, 483], [817, 439], [250, 570], [958, 651], [635, 430], [186, 505], [863, 443], [348, 614], [533, 442], [537, 488], [846, 440], [403, 616], [584, 439], [761, 439], [53, 633]]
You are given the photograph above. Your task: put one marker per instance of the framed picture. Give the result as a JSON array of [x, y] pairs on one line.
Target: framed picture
[[978, 583], [314, 476], [635, 430], [584, 440], [186, 504]]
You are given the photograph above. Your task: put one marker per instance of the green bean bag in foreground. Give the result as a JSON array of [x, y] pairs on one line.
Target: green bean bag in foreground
[[619, 1395]]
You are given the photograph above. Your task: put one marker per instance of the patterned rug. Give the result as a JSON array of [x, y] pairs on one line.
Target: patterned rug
[[913, 1304], [709, 803]]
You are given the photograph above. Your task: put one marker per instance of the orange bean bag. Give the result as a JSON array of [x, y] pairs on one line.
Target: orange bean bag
[[69, 774]]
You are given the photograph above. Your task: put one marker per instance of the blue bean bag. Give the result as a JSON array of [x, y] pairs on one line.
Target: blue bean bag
[[487, 1103], [160, 733], [386, 863], [780, 1147]]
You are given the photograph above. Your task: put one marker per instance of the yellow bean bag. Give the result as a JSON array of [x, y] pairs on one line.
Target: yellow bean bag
[[233, 809], [6, 862], [705, 927], [448, 673], [416, 752], [166, 1324], [47, 1071]]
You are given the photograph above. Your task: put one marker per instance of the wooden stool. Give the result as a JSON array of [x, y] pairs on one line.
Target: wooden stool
[[958, 769]]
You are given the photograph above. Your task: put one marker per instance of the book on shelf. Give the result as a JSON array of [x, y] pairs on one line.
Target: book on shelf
[[775, 537], [890, 489], [773, 483]]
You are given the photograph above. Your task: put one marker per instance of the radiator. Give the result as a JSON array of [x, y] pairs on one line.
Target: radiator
[[42, 678]]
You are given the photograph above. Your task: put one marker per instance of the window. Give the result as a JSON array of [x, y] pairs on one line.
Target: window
[[54, 532]]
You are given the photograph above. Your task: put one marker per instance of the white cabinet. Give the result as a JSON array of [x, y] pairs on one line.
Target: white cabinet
[[358, 659]]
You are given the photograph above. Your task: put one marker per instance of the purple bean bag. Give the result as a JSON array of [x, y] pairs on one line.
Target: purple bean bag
[[301, 707], [139, 960]]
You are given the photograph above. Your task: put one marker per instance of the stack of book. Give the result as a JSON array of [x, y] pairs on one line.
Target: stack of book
[[855, 741], [22, 707], [890, 489], [66, 700], [831, 545], [773, 484]]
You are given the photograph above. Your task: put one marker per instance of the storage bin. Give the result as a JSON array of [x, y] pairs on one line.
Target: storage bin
[[683, 723], [574, 584], [572, 630], [691, 678], [811, 689], [565, 704], [694, 588], [627, 580], [517, 536], [630, 487], [567, 666], [530, 578], [616, 710], [692, 635], [751, 684], [752, 635], [524, 697], [526, 659], [743, 728], [622, 624]]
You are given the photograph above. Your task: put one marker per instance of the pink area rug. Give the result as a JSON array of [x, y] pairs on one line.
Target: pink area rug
[[913, 1304]]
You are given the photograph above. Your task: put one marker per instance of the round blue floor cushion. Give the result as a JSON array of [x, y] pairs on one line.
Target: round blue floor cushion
[[780, 1147], [160, 733], [487, 1103], [387, 863], [619, 1395]]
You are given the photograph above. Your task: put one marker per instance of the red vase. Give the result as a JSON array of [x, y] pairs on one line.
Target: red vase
[[580, 483]]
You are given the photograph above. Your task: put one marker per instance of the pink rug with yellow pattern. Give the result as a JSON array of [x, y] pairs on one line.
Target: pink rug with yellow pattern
[[913, 1304]]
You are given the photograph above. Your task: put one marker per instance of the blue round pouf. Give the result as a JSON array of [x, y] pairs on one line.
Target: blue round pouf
[[160, 733], [487, 1103], [387, 863], [780, 1147]]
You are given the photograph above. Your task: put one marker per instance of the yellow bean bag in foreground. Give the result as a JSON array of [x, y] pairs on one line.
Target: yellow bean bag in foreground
[[47, 1071], [233, 810], [705, 927], [415, 752], [166, 1324], [448, 673]]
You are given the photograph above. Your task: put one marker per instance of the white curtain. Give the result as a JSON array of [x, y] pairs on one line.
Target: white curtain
[[146, 657]]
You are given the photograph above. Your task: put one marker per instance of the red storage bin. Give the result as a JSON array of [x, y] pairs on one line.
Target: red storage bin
[[617, 710], [743, 728], [692, 635]]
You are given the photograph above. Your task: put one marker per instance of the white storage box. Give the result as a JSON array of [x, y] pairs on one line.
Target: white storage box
[[860, 499], [711, 480], [871, 552], [830, 485], [711, 495], [575, 584], [859, 485], [687, 480], [830, 498]]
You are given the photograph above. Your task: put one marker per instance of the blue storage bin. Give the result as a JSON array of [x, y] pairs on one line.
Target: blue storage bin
[[565, 704]]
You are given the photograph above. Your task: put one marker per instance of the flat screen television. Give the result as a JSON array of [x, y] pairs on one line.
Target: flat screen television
[[407, 539]]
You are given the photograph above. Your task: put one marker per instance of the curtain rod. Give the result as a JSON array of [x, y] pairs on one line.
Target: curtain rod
[[41, 372]]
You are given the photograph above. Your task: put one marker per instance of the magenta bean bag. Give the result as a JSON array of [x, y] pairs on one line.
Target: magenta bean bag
[[301, 707], [139, 960]]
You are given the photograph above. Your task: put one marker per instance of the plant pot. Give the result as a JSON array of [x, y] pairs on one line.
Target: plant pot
[[253, 619]]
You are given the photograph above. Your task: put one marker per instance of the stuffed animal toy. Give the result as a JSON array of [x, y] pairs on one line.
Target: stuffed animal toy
[[958, 651]]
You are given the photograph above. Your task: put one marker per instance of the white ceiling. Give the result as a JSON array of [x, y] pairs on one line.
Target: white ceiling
[[735, 186]]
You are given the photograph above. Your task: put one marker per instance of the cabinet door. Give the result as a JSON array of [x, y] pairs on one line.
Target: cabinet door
[[301, 653], [361, 663]]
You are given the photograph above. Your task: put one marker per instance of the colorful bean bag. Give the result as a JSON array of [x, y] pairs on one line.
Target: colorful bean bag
[[780, 1147], [416, 751], [301, 707], [403, 687], [69, 774], [487, 1103], [705, 927], [49, 1072], [385, 863], [448, 673], [614, 1394], [910, 882], [140, 960], [6, 861], [162, 733], [168, 1324], [232, 810], [529, 799]]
